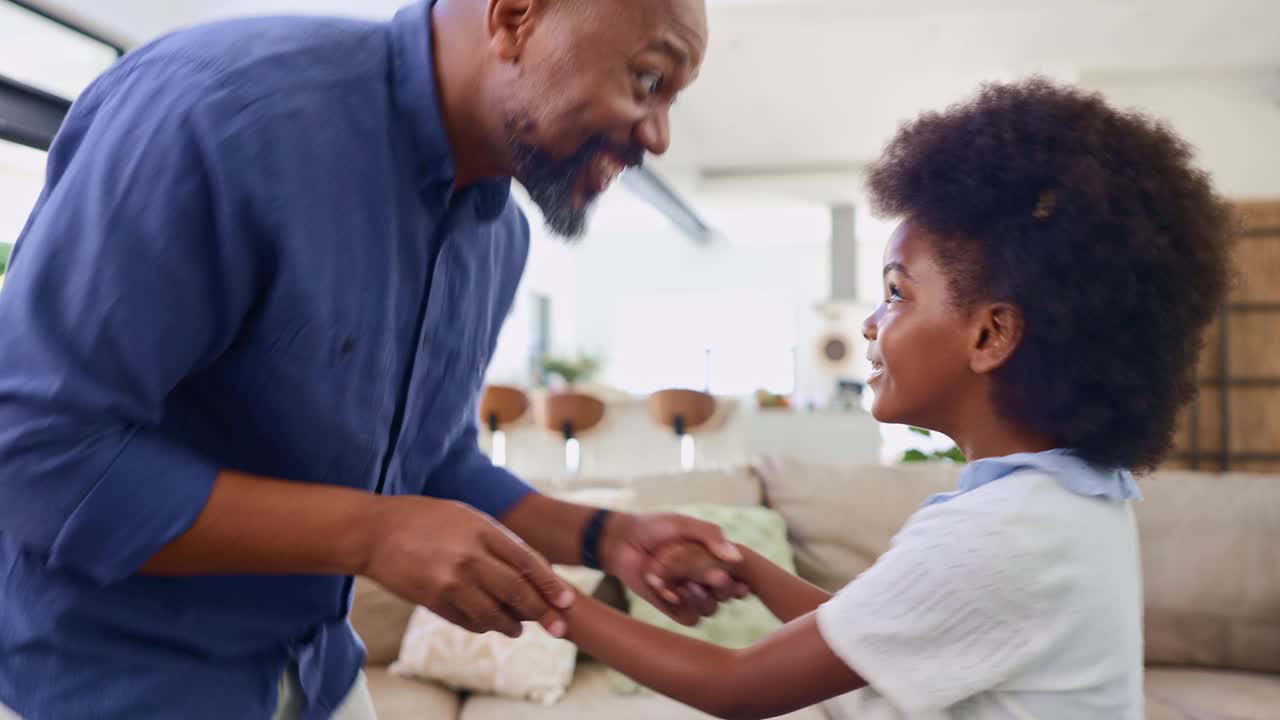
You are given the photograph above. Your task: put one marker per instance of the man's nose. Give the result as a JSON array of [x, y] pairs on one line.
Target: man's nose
[[654, 131]]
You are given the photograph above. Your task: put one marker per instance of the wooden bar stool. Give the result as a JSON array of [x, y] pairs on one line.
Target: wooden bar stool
[[681, 411], [501, 405], [571, 414]]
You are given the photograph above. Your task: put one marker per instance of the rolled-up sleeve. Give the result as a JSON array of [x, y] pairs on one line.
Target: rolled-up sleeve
[[125, 281], [469, 476]]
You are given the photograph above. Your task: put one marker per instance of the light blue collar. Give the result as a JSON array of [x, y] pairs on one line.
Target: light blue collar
[[1071, 471]]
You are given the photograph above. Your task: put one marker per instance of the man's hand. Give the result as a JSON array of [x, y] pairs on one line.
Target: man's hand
[[681, 565], [465, 567]]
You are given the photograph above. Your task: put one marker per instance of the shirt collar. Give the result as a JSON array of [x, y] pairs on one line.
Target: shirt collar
[[1069, 469], [414, 91]]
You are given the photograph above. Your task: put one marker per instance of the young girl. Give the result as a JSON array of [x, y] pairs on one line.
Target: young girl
[[1044, 300]]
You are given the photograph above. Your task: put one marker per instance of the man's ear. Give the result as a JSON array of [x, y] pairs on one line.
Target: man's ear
[[509, 23], [997, 332]]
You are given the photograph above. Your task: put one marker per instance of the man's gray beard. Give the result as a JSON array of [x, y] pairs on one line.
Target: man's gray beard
[[550, 185]]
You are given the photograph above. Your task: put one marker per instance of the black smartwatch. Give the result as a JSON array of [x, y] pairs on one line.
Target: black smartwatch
[[591, 539]]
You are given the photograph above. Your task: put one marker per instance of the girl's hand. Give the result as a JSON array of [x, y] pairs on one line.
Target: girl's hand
[[717, 580]]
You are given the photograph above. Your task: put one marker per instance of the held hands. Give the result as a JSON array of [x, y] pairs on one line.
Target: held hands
[[465, 567], [472, 571], [681, 565], [719, 580]]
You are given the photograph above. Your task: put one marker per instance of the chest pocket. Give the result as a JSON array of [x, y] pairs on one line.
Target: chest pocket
[[321, 398]]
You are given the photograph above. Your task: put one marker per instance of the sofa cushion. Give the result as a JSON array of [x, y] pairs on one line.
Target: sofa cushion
[[589, 698], [732, 485], [610, 498], [1209, 560], [1181, 694], [534, 666], [735, 486], [397, 698], [570, 483], [842, 517], [379, 618], [739, 623]]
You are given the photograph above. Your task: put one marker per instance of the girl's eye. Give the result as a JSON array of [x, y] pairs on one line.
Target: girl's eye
[[894, 294]]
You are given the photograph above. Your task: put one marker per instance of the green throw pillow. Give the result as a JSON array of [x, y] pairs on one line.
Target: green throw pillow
[[739, 623]]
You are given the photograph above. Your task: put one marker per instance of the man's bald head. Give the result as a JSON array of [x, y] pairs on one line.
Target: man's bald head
[[583, 89]]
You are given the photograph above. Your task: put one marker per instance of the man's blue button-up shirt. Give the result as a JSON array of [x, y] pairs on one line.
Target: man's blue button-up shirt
[[249, 254]]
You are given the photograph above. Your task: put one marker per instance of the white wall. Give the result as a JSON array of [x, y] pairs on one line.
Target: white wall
[[552, 271], [768, 268], [752, 294], [770, 255], [1232, 117], [873, 234]]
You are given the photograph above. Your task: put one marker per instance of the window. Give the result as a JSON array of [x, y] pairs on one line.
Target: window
[[44, 64], [21, 178], [48, 54]]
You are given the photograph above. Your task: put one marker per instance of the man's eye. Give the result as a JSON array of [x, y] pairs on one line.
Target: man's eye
[[650, 81]]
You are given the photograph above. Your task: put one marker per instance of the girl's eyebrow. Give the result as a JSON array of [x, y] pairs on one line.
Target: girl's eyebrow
[[898, 267]]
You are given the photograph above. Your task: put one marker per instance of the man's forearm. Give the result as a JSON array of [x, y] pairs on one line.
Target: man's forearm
[[254, 525], [554, 528]]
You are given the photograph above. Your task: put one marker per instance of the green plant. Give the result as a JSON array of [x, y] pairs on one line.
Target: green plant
[[952, 453], [573, 370]]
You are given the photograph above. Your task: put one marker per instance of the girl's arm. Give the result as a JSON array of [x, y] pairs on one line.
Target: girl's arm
[[787, 596], [791, 669]]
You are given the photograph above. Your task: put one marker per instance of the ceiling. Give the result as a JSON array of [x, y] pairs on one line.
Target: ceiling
[[802, 90], [825, 85]]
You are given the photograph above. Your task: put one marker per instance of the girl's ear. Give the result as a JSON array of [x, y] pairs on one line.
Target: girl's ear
[[997, 333]]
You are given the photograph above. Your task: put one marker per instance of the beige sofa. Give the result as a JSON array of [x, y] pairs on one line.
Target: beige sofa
[[1211, 561]]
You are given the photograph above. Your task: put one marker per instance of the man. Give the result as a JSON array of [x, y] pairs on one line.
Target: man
[[243, 335]]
